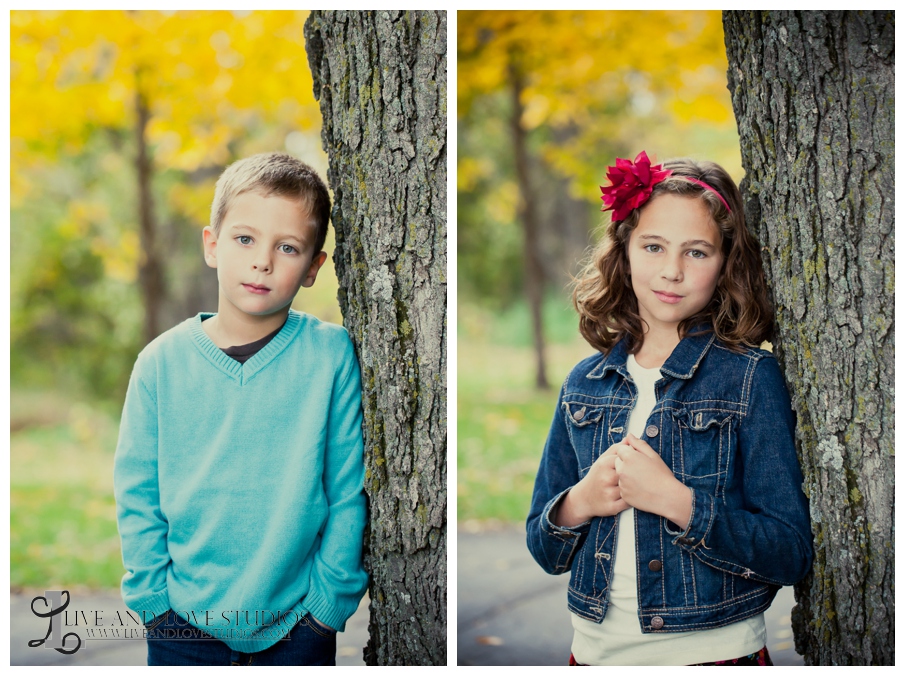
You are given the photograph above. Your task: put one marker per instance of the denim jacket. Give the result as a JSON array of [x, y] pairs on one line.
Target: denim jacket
[[724, 424]]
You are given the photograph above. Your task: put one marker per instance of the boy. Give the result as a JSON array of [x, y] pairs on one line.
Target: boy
[[238, 473]]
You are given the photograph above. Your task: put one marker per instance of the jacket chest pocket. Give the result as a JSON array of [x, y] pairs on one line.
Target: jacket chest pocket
[[587, 431], [702, 445]]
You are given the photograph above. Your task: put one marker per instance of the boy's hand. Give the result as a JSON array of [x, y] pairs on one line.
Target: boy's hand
[[646, 483], [595, 495]]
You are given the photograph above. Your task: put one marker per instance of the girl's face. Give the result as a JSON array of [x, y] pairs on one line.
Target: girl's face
[[675, 260]]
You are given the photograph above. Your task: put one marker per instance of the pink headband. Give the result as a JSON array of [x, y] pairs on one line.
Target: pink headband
[[631, 184], [707, 187]]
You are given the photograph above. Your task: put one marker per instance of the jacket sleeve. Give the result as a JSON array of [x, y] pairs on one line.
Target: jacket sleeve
[[338, 578], [767, 538], [142, 527], [552, 546]]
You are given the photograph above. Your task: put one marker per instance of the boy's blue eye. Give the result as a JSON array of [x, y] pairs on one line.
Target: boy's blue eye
[[287, 249], [244, 240]]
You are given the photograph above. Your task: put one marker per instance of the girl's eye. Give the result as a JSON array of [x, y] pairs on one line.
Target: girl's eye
[[695, 253], [653, 248], [244, 240], [287, 249]]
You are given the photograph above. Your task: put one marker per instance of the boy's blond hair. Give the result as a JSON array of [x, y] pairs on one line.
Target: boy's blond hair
[[273, 174]]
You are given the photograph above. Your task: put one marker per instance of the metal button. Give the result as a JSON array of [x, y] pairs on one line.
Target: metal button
[[579, 414], [656, 622], [655, 566], [652, 431]]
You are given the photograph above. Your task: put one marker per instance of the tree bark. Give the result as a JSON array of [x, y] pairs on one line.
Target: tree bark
[[534, 272], [150, 270], [813, 94], [380, 78]]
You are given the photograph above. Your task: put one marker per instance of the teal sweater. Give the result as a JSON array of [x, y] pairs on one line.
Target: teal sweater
[[239, 486]]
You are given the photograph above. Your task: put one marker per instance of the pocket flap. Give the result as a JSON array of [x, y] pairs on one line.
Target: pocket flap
[[701, 420], [582, 414]]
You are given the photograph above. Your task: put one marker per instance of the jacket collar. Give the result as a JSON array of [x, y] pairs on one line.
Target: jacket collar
[[682, 363]]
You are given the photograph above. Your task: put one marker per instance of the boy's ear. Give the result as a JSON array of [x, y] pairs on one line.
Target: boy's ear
[[316, 264], [210, 246]]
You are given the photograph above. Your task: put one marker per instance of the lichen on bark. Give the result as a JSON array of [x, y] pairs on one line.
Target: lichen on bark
[[813, 94], [380, 78]]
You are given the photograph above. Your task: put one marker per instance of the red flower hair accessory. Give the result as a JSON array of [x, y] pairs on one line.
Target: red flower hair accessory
[[631, 184]]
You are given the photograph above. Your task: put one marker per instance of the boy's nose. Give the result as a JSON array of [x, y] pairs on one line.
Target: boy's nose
[[262, 264]]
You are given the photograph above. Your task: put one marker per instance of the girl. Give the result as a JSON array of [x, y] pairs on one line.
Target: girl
[[669, 484]]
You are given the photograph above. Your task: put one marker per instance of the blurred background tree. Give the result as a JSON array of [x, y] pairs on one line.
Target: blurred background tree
[[121, 122], [546, 100]]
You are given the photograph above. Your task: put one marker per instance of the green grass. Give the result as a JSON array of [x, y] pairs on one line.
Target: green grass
[[512, 325], [62, 513], [503, 422]]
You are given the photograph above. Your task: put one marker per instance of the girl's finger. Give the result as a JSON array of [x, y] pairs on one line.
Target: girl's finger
[[615, 447], [624, 451], [640, 446]]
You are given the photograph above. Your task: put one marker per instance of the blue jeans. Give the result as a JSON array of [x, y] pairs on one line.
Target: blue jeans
[[306, 644]]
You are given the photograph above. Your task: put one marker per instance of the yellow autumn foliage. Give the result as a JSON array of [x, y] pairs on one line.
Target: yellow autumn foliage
[[566, 55], [614, 79], [209, 79], [205, 76]]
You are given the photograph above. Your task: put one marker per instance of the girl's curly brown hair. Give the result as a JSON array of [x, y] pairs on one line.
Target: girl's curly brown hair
[[739, 311]]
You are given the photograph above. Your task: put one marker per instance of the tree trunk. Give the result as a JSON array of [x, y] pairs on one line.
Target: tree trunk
[[534, 272], [380, 78], [150, 270], [814, 98]]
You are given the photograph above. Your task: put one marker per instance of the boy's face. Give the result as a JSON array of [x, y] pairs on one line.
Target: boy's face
[[263, 254]]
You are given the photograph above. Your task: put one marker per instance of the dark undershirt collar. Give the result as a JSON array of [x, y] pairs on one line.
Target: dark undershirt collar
[[242, 353]]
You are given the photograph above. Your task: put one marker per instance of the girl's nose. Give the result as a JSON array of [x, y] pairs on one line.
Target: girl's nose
[[672, 271]]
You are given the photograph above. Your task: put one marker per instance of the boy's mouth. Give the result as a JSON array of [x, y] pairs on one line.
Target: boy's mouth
[[256, 288]]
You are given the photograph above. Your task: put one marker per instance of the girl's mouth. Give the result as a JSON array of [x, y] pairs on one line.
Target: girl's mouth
[[254, 288], [670, 298]]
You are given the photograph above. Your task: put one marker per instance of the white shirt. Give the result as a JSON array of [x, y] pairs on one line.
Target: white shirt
[[618, 639]]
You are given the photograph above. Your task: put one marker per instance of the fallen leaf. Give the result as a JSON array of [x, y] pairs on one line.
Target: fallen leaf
[[489, 640]]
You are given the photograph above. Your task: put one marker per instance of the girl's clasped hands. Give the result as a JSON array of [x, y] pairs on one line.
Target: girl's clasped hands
[[629, 474]]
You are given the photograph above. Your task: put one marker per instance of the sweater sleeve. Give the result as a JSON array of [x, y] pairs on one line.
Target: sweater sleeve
[[142, 527], [338, 578]]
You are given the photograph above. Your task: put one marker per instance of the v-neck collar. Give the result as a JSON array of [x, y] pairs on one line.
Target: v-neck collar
[[234, 369]]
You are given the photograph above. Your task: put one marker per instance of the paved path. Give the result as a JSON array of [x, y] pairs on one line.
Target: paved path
[[509, 613], [24, 626], [512, 613]]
